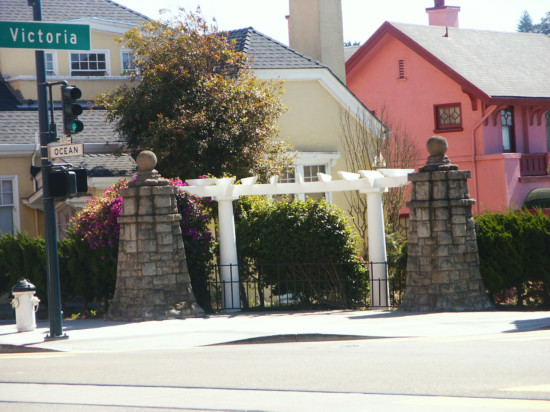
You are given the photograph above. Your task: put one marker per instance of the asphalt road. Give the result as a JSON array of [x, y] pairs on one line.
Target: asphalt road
[[488, 372]]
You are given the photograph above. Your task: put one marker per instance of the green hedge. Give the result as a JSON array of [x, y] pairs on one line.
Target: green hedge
[[303, 248], [84, 273], [514, 251], [22, 257]]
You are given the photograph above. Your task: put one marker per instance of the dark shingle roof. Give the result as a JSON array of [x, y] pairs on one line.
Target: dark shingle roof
[[20, 127], [103, 165], [64, 10], [501, 64], [267, 53]]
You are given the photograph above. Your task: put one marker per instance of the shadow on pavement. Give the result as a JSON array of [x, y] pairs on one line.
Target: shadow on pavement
[[4, 348], [529, 325], [389, 314]]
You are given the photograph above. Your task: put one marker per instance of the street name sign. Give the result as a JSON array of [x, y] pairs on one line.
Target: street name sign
[[40, 35], [65, 150]]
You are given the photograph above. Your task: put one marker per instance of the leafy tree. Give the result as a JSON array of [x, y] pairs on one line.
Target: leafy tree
[[525, 24], [193, 100], [544, 26]]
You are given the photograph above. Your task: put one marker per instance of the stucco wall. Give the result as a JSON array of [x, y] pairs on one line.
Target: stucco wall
[[21, 62], [31, 221], [410, 101]]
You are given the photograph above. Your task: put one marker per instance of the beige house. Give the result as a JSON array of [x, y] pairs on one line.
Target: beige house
[[104, 67], [315, 96], [313, 70]]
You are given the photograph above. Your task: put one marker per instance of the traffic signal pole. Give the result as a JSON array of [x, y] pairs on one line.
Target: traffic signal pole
[[54, 289]]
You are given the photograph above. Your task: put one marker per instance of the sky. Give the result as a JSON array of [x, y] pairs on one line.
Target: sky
[[361, 18]]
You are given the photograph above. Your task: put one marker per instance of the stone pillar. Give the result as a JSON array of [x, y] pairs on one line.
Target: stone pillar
[[443, 262], [152, 278]]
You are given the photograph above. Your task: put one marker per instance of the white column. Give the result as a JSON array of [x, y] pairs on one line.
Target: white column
[[380, 295], [228, 256]]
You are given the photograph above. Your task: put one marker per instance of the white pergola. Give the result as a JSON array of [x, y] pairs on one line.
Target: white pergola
[[372, 183]]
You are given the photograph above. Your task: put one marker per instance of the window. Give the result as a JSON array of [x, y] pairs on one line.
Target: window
[[9, 215], [448, 117], [401, 69], [89, 64], [289, 175], [508, 137], [548, 130], [309, 173], [50, 63], [128, 65]]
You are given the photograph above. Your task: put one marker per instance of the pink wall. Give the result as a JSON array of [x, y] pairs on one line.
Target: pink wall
[[410, 103]]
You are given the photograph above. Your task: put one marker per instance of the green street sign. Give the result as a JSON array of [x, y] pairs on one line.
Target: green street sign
[[40, 35]]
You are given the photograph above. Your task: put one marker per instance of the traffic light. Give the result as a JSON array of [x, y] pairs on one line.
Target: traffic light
[[68, 182], [71, 110]]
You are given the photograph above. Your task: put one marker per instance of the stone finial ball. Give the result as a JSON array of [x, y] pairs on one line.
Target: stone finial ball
[[146, 160], [437, 145]]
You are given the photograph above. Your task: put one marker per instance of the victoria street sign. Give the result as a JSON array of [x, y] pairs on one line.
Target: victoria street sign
[[65, 150], [40, 35]]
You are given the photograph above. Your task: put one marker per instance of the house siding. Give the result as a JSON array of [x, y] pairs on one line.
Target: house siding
[[496, 176]]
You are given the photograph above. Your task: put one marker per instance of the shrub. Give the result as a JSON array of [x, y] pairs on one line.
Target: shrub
[[514, 251], [307, 249], [198, 241], [23, 257], [95, 232]]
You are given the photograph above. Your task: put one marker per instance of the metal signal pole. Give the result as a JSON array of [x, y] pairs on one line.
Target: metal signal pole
[[54, 290]]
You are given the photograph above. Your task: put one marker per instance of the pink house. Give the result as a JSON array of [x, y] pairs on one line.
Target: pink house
[[487, 93]]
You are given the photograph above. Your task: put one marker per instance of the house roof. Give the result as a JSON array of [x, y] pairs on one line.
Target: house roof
[[267, 53], [103, 164], [350, 51], [65, 10], [487, 64], [21, 126]]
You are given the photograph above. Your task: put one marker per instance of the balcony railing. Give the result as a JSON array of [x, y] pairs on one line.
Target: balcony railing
[[533, 164]]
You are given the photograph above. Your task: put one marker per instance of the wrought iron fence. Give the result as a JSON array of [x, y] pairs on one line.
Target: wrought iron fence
[[303, 286]]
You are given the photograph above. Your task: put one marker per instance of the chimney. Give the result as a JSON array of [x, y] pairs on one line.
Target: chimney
[[441, 15], [315, 29]]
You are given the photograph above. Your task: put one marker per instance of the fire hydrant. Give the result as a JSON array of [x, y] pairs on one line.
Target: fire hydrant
[[25, 304]]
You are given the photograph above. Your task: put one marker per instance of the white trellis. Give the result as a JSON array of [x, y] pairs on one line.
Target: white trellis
[[372, 183]]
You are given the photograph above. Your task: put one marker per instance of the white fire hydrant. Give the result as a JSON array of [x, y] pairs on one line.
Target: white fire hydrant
[[25, 304]]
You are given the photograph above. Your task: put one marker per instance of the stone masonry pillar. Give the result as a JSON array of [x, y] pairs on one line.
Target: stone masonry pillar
[[443, 262], [152, 278]]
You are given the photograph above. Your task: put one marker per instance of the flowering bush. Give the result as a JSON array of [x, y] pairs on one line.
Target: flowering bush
[[196, 215], [97, 222], [96, 227]]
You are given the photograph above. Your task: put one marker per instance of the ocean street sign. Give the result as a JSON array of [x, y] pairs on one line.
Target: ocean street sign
[[65, 150], [40, 35]]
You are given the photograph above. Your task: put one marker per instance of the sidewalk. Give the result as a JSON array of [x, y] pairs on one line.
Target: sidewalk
[[91, 335]]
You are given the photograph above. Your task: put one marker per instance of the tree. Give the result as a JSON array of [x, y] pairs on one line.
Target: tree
[[193, 100], [370, 145], [525, 24], [544, 26]]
